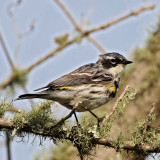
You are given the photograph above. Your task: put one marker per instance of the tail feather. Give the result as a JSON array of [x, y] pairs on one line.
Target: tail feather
[[30, 96]]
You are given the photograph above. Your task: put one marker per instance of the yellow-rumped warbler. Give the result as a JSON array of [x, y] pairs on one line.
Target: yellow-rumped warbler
[[89, 86]]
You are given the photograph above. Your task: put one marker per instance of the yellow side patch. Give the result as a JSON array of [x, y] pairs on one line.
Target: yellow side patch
[[64, 87], [111, 89]]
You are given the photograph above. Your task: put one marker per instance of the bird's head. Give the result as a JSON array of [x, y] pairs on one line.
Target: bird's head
[[113, 62]]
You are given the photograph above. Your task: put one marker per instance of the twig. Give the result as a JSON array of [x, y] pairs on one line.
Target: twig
[[50, 54], [20, 36], [66, 11], [8, 146], [115, 105], [6, 51], [152, 109], [26, 91], [63, 119], [78, 28], [19, 33], [79, 151], [66, 117], [97, 44], [6, 82], [148, 119]]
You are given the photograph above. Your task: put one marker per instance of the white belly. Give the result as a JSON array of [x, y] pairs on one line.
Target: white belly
[[89, 96]]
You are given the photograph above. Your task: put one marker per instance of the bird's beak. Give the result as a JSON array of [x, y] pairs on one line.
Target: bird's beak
[[127, 62]]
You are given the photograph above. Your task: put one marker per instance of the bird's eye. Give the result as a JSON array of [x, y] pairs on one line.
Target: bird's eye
[[113, 61]]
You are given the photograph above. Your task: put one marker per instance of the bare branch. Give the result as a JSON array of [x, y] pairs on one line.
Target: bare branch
[[63, 119], [20, 35], [148, 119], [78, 28], [115, 105], [26, 91], [108, 24], [5, 123], [97, 44], [66, 117], [7, 81], [8, 146], [59, 48], [82, 35], [152, 109], [6, 51], [85, 33]]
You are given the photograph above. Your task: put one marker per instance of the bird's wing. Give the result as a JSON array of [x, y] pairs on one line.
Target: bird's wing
[[87, 74]]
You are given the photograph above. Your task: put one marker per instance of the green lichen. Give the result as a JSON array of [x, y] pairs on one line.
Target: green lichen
[[61, 39], [4, 106], [143, 132], [82, 140], [120, 141], [19, 77], [38, 118]]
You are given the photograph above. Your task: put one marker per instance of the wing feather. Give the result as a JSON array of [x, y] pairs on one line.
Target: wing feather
[[88, 74]]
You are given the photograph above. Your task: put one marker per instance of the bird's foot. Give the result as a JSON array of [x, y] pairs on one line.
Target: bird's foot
[[99, 120]]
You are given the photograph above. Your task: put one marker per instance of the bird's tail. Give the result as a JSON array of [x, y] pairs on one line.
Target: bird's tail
[[30, 96]]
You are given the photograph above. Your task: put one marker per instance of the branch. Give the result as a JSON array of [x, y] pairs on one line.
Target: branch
[[10, 78], [26, 91], [20, 35], [8, 146], [129, 146], [63, 119], [78, 28], [146, 124], [13, 109], [115, 105], [7, 81], [6, 51], [97, 44], [66, 11], [152, 110], [143, 148], [82, 35], [53, 52], [108, 24]]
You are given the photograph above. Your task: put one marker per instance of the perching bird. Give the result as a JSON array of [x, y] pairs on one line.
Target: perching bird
[[89, 86]]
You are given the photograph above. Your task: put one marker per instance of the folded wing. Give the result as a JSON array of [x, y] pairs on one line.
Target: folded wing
[[87, 74]]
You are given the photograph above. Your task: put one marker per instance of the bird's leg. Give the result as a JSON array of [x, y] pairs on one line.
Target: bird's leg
[[78, 124], [99, 120], [76, 106]]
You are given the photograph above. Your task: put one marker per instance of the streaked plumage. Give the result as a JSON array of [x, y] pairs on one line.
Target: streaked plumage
[[91, 85]]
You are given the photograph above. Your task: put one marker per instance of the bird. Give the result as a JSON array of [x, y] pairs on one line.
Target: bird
[[86, 88]]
